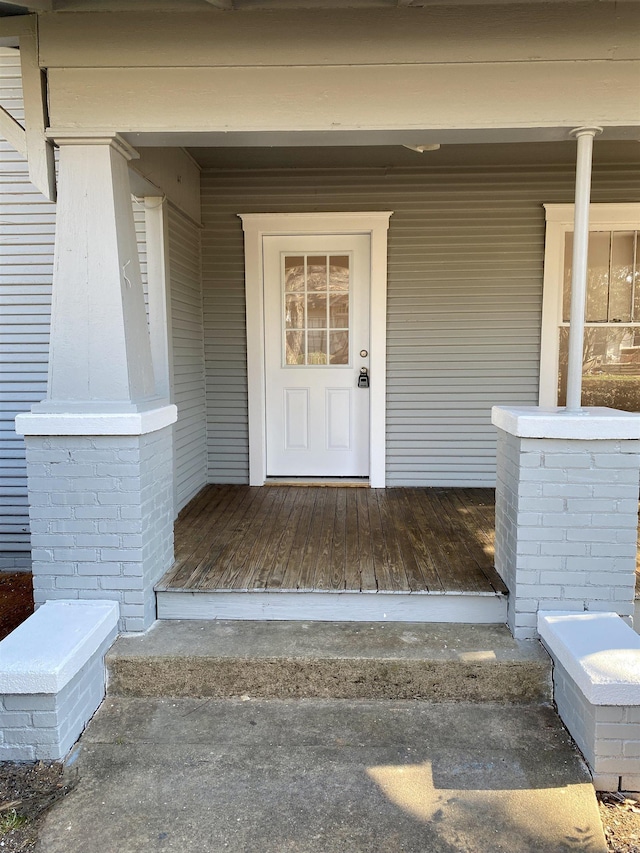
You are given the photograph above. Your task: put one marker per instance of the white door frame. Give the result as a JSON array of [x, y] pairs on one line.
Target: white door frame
[[259, 225]]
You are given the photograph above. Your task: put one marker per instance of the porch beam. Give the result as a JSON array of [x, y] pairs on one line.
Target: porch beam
[[33, 5], [13, 132], [16, 25], [585, 136], [40, 156]]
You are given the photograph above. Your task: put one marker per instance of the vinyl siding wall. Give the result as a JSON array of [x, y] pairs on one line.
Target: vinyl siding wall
[[464, 301], [190, 434], [27, 223]]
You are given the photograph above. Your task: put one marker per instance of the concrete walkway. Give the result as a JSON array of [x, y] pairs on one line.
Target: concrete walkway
[[324, 776]]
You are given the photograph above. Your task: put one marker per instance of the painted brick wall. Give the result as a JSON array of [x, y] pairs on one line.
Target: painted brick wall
[[608, 735], [566, 526], [101, 519]]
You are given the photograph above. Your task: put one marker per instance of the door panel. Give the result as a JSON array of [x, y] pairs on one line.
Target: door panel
[[317, 291]]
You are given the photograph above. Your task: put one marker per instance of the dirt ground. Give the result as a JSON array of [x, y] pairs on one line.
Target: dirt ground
[[28, 790], [620, 817], [16, 600]]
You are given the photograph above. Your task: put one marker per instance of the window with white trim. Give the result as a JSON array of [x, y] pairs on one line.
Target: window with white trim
[[611, 351]]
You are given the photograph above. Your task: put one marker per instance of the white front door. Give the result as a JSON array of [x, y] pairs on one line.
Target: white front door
[[317, 291]]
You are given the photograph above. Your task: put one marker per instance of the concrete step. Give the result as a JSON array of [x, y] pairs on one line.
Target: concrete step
[[336, 660]]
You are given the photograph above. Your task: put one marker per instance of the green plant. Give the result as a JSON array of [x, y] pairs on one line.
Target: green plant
[[10, 820]]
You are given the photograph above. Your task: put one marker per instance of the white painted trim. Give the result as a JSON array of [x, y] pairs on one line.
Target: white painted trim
[[94, 137], [587, 424], [599, 651], [334, 606], [156, 222], [44, 653], [559, 219], [157, 238], [107, 423], [259, 225]]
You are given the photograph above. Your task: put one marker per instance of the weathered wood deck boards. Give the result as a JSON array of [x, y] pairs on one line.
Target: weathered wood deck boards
[[311, 538]]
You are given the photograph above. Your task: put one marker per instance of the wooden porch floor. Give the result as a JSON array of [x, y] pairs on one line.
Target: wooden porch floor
[[296, 538]]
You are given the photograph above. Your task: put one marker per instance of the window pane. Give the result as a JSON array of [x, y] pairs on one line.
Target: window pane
[[294, 311], [621, 277], [598, 277], [339, 352], [316, 310], [316, 273], [339, 312], [293, 273], [611, 367], [295, 348], [338, 272], [317, 347]]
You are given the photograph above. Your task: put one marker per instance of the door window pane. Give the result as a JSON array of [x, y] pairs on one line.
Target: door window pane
[[317, 347], [339, 351], [294, 311], [316, 299], [316, 273], [293, 273], [339, 312], [317, 311], [339, 272], [295, 348]]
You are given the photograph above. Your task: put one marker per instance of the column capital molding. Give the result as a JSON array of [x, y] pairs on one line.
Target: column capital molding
[[587, 130], [71, 136]]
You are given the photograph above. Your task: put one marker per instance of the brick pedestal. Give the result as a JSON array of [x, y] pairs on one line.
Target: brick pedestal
[[566, 511], [101, 510]]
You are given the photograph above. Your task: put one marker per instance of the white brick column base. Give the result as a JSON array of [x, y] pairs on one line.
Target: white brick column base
[[101, 510], [566, 511]]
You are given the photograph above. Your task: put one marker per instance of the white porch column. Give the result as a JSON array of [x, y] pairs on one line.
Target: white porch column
[[566, 511], [99, 447], [585, 137]]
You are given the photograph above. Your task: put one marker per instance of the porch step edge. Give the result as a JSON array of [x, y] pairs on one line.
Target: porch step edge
[[305, 660], [463, 607]]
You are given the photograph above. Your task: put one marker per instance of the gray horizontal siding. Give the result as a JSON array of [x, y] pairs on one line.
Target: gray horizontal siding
[[464, 305], [190, 447], [26, 262]]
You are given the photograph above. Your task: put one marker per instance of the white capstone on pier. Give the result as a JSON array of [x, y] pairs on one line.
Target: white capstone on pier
[[596, 688], [566, 511], [52, 677]]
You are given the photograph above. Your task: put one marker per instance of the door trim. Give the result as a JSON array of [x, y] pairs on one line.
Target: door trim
[[259, 225]]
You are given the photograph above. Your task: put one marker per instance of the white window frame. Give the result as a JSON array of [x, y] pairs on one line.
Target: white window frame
[[560, 220], [258, 225]]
